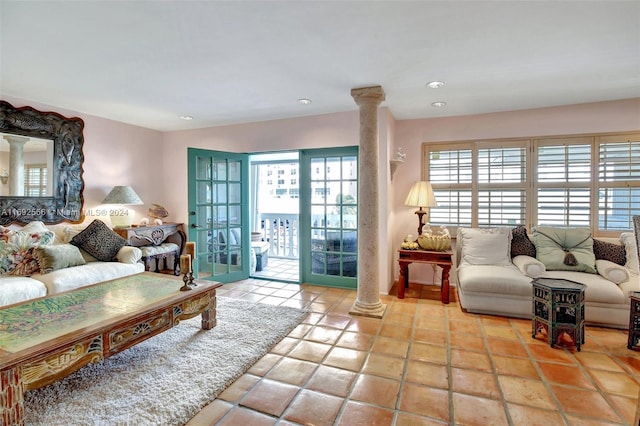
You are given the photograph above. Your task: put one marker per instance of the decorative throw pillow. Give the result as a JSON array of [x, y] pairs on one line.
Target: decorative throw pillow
[[99, 241], [52, 258], [565, 249], [16, 251], [521, 244], [612, 271], [485, 246], [530, 266], [615, 253]]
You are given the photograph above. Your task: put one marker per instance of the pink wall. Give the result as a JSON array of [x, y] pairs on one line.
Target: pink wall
[[600, 117], [115, 154], [321, 131]]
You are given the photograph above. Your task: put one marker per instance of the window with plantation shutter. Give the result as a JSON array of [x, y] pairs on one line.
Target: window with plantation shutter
[[563, 182], [578, 181], [618, 181], [35, 180], [451, 176]]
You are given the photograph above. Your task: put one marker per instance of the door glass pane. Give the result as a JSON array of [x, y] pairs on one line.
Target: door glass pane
[[234, 215], [203, 192], [203, 168], [219, 169], [220, 191], [234, 192], [234, 170]]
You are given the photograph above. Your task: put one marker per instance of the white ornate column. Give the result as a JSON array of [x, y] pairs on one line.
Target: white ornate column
[[368, 301], [16, 164]]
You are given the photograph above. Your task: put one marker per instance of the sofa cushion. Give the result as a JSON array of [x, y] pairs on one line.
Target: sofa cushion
[[612, 271], [90, 273], [16, 251], [485, 246], [565, 249], [99, 241], [491, 279], [615, 253], [59, 256], [521, 244], [599, 289], [18, 289]]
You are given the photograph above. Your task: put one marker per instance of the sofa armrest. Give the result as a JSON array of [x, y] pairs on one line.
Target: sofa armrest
[[129, 254]]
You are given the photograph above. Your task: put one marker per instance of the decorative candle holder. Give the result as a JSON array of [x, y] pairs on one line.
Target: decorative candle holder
[[191, 281], [185, 279]]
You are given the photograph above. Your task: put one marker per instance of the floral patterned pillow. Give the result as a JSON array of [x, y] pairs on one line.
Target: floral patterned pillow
[[16, 251]]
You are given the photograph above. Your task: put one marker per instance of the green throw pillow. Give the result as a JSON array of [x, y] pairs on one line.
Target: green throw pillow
[[565, 249], [52, 258]]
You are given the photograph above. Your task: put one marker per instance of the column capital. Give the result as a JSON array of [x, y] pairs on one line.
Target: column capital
[[373, 94]]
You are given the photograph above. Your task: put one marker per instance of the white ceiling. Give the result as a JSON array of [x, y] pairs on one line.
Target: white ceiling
[[148, 62]]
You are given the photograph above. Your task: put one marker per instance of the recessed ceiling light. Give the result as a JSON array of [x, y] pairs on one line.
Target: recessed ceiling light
[[435, 84], [304, 101], [186, 117], [438, 104]]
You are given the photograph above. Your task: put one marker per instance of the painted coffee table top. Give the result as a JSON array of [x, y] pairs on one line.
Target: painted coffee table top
[[34, 322]]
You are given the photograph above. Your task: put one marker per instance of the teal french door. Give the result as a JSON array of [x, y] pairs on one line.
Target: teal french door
[[219, 214], [329, 216]]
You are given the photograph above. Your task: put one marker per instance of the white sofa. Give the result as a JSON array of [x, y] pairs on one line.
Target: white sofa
[[491, 281], [14, 289]]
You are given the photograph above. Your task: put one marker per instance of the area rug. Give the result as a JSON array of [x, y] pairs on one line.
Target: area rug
[[168, 378]]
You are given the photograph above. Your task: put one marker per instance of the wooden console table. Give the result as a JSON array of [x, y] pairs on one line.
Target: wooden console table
[[444, 259], [166, 240]]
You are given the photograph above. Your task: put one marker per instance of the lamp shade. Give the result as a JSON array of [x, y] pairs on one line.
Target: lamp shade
[[122, 195], [421, 195]]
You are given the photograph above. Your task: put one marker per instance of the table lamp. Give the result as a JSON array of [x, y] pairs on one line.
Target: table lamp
[[421, 195], [122, 195]]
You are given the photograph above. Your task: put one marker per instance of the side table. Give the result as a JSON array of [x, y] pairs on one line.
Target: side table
[[440, 258], [558, 308], [634, 320]]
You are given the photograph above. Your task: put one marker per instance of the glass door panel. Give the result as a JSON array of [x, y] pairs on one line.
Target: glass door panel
[[218, 206], [330, 216]]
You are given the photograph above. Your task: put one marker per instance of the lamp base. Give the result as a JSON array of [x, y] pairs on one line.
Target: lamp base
[[121, 218], [420, 214]]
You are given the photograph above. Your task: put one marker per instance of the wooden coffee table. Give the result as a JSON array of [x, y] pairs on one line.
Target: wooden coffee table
[[46, 339]]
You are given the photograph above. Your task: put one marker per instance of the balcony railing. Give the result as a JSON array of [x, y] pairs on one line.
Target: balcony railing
[[280, 230]]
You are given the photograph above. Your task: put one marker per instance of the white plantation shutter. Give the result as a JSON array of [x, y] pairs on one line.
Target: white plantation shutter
[[35, 180], [618, 181], [564, 182], [582, 181]]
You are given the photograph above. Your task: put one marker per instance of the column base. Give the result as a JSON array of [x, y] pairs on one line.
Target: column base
[[375, 310]]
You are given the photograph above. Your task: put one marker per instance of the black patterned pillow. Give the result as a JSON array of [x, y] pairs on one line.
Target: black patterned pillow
[[615, 253], [521, 244], [99, 241]]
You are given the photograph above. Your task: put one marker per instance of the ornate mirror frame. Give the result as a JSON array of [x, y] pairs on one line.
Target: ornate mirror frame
[[67, 134]]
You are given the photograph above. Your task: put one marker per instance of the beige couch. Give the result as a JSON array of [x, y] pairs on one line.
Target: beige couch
[[492, 281], [18, 288]]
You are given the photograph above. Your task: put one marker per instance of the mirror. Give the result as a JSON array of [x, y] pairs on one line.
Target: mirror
[[25, 166], [56, 166]]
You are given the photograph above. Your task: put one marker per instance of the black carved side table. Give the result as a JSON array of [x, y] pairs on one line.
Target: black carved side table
[[634, 319], [558, 308]]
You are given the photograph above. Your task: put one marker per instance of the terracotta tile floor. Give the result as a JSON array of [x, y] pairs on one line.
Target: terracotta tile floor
[[424, 363]]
